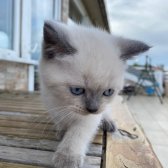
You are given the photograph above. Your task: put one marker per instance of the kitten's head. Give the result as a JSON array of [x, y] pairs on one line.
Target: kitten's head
[[82, 68]]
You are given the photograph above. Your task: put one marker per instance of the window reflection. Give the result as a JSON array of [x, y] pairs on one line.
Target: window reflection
[[6, 24], [41, 10]]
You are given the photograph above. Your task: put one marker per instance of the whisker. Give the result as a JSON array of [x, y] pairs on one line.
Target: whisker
[[47, 121], [50, 120], [56, 124], [64, 114], [55, 108], [59, 117]]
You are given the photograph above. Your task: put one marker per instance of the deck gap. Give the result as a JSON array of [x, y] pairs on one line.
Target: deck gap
[[103, 157], [22, 162]]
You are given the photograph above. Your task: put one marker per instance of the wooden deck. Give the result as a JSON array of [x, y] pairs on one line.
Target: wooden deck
[[28, 138], [152, 116]]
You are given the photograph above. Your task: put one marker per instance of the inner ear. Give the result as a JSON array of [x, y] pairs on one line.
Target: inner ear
[[130, 48], [56, 42]]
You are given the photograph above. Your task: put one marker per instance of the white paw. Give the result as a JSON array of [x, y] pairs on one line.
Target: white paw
[[108, 126], [66, 161]]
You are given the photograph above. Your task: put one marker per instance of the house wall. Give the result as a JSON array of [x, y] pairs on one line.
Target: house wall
[[16, 72], [166, 88], [84, 18], [65, 11], [166, 83], [13, 76]]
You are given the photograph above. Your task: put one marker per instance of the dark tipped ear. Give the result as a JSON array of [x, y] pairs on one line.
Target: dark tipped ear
[[130, 48], [56, 41]]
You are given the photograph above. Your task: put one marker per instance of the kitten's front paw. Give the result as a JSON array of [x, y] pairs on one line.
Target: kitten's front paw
[[108, 126], [66, 161]]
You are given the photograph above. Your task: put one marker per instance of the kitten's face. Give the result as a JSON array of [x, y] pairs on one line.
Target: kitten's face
[[82, 69]]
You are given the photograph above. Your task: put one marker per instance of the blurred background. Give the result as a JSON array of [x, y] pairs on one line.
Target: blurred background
[[21, 26]]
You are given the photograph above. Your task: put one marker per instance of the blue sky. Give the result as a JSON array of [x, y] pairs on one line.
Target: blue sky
[[145, 20]]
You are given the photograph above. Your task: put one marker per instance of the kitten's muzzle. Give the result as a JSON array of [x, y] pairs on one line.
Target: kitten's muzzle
[[92, 110], [92, 102]]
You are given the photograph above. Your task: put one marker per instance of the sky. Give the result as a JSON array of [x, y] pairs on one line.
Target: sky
[[145, 20]]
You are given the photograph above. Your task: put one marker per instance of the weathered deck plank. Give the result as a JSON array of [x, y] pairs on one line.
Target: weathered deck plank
[[27, 125], [38, 157], [21, 109], [34, 134], [122, 152], [28, 139], [43, 144], [16, 165], [22, 117]]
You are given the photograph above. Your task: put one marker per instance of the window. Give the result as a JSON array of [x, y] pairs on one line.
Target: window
[[41, 10], [74, 12], [6, 24], [21, 30]]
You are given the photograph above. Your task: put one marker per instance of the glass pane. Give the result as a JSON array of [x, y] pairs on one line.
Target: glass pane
[[41, 10], [6, 23], [74, 12]]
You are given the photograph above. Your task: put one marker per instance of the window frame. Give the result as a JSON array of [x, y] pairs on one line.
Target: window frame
[[21, 43], [21, 51], [13, 54], [84, 14]]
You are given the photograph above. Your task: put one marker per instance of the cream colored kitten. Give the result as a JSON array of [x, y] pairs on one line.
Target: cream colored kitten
[[81, 70]]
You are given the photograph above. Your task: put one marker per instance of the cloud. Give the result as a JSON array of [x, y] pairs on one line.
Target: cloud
[[145, 20]]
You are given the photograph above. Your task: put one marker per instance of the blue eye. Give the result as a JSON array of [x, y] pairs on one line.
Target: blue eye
[[108, 92], [77, 91]]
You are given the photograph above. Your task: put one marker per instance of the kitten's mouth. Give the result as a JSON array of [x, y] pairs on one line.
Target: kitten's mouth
[[94, 113], [86, 113]]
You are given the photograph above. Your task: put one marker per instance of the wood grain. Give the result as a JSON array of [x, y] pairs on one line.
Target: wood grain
[[16, 165], [43, 144], [28, 139], [122, 151], [39, 158], [25, 143]]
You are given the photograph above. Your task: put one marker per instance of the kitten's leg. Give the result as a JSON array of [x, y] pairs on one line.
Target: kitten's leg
[[108, 125], [71, 151]]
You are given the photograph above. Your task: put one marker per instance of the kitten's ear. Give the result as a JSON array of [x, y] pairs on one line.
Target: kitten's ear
[[130, 48], [56, 42]]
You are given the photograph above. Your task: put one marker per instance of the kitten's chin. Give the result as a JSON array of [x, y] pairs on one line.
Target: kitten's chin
[[86, 113], [96, 113], [81, 113]]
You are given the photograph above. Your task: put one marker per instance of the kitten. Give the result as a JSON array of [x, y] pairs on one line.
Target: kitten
[[81, 71]]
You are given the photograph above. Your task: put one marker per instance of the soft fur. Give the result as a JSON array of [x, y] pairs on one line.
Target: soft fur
[[84, 57]]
